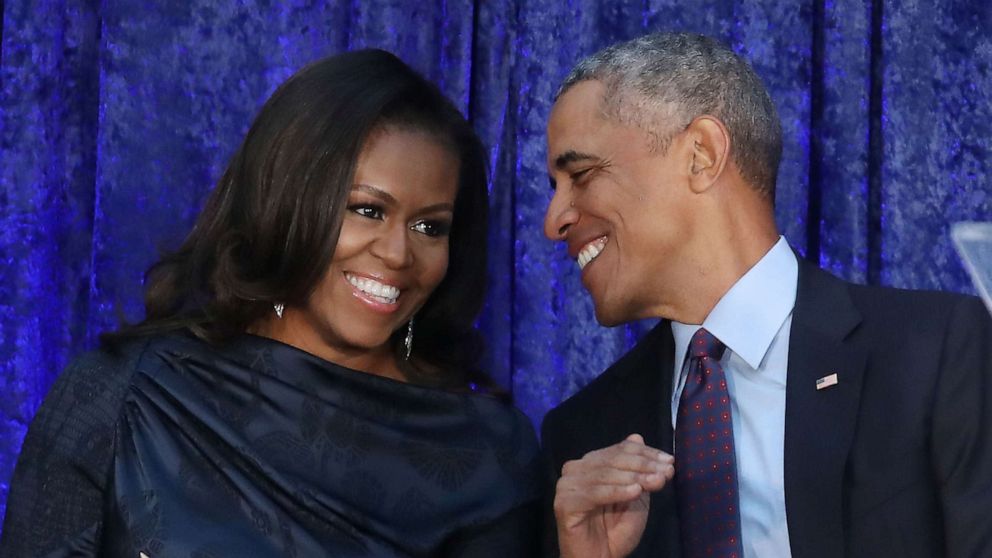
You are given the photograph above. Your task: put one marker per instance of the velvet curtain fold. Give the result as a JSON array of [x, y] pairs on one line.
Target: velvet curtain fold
[[117, 117]]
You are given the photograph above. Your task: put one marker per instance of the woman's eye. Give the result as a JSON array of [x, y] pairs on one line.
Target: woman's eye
[[368, 211], [432, 228]]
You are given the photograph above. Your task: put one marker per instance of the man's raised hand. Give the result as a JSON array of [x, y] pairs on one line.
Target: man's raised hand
[[601, 500]]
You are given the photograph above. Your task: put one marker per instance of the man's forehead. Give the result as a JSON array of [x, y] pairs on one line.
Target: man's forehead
[[584, 100], [575, 118]]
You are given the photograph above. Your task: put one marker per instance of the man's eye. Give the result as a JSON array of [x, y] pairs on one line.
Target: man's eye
[[579, 176], [368, 211], [432, 228]]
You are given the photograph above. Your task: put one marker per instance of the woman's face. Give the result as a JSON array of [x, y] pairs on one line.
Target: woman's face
[[391, 255]]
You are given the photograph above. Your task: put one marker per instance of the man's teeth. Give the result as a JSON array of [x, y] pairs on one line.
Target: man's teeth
[[386, 294], [590, 251]]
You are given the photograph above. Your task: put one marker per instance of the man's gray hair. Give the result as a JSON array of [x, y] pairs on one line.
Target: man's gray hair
[[661, 82]]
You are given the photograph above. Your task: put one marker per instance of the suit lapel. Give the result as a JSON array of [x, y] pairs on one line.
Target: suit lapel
[[820, 423], [642, 396], [642, 399]]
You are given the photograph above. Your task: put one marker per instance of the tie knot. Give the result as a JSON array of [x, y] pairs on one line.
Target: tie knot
[[705, 345]]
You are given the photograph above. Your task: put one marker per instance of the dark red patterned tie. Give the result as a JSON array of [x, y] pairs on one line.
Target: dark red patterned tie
[[705, 462]]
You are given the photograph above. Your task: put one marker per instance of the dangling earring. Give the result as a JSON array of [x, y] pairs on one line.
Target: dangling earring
[[409, 338], [279, 307]]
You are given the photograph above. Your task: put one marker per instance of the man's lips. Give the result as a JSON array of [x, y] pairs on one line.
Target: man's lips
[[590, 251], [575, 243]]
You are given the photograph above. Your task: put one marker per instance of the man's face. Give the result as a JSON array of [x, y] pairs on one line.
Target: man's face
[[622, 207]]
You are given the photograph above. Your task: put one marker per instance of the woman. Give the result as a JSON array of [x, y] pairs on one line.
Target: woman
[[304, 381]]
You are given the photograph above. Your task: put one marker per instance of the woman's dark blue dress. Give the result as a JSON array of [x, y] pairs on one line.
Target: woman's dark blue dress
[[173, 447]]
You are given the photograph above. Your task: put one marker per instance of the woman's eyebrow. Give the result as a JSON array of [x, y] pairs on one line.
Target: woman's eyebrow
[[390, 200], [373, 191], [437, 207]]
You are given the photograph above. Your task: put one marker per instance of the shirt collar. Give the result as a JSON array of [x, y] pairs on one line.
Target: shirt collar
[[747, 318]]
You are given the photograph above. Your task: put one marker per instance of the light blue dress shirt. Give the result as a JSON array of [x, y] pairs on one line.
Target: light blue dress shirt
[[753, 319]]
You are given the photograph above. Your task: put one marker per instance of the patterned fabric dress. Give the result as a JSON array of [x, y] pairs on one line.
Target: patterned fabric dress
[[177, 448]]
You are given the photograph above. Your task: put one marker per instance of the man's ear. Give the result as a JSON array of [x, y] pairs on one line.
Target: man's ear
[[710, 150]]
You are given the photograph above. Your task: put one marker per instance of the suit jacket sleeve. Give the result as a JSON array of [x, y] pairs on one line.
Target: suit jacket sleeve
[[962, 431], [550, 440]]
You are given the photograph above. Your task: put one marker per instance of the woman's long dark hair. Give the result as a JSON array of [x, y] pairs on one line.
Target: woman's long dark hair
[[268, 231]]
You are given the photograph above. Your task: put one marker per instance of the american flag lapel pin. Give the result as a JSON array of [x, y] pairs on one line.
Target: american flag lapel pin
[[826, 381]]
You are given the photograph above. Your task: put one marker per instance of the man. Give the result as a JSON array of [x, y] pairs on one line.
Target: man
[[808, 417]]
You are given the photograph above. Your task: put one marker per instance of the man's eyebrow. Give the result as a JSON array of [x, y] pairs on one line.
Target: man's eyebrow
[[572, 156], [376, 192]]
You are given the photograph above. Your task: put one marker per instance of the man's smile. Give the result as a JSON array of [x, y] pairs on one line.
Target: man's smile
[[590, 251]]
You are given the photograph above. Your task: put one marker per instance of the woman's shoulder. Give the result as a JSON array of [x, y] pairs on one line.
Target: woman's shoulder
[[123, 359], [89, 392], [79, 414], [106, 369], [65, 460]]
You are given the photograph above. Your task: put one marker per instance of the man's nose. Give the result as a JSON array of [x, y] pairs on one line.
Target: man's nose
[[561, 215]]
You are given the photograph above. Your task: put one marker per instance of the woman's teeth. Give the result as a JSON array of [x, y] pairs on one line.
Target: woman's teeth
[[380, 292], [590, 251]]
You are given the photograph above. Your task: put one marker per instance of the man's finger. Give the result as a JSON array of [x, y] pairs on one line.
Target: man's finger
[[572, 500], [616, 458], [607, 475]]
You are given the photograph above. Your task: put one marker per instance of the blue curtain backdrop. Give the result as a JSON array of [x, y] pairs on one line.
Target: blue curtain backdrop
[[116, 118]]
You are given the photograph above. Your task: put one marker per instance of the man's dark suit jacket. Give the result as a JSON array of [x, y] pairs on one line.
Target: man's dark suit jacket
[[894, 460]]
